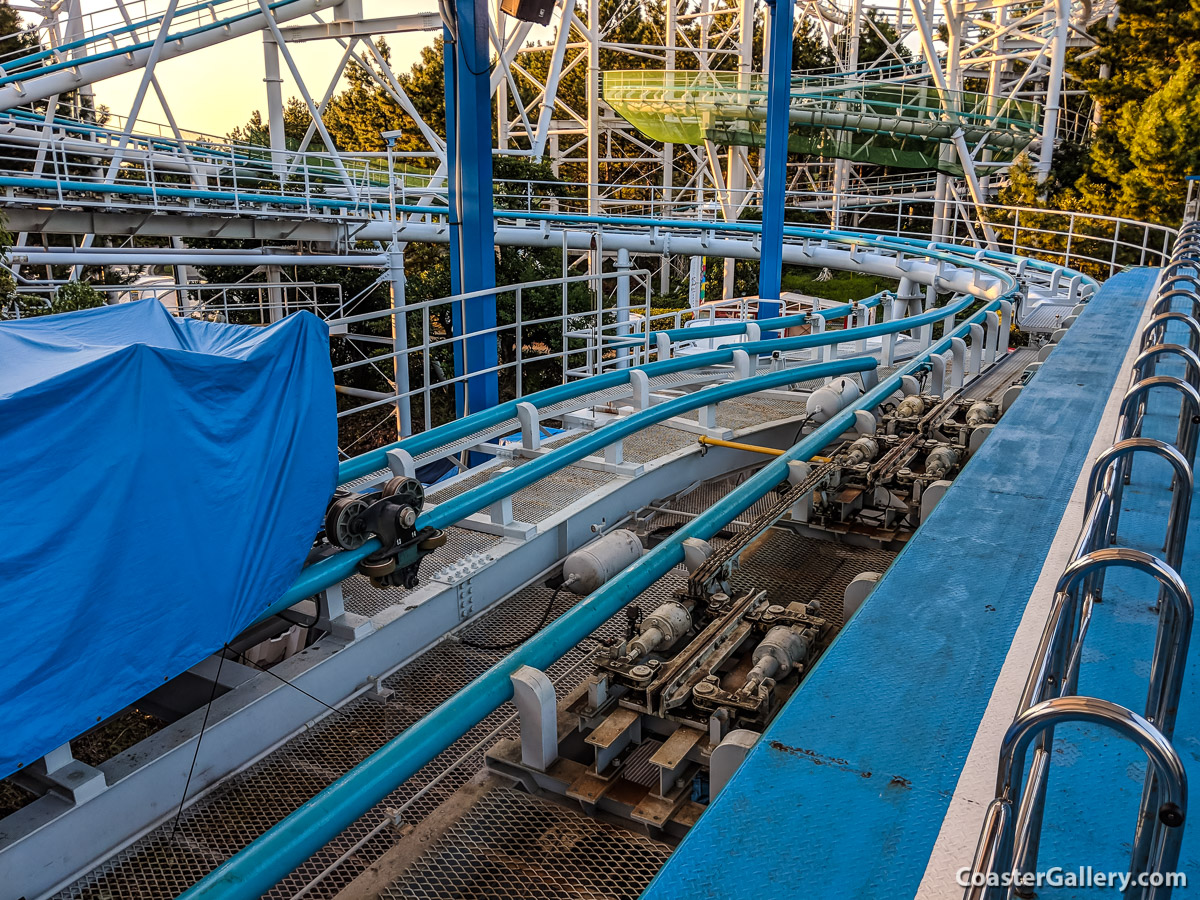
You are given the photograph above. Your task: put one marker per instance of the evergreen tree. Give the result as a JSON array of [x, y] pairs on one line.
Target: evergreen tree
[[14, 40], [1146, 141], [296, 120]]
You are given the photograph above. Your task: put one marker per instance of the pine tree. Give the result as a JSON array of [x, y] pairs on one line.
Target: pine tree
[[1150, 126]]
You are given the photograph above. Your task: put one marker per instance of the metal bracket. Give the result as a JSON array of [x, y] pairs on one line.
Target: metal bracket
[[537, 705]]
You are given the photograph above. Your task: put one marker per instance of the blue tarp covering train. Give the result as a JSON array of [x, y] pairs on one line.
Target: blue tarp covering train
[[161, 482]]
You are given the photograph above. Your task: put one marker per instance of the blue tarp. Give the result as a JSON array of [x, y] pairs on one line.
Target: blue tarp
[[161, 482]]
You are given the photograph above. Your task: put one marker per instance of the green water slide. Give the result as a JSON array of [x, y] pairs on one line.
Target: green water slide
[[888, 123]]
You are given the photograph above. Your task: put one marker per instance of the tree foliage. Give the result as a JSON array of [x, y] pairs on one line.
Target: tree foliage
[[296, 120], [70, 297], [1148, 139]]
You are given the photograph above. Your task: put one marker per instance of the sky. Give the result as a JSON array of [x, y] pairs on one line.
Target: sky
[[214, 90]]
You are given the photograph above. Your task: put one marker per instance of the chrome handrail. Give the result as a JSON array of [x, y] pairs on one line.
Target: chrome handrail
[[1000, 841], [1169, 297], [1155, 331], [1167, 282], [1181, 263], [1143, 366], [1171, 645], [1189, 417], [1013, 823], [1108, 474]]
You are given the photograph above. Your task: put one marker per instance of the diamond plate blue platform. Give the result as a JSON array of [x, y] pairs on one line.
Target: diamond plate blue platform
[[844, 795]]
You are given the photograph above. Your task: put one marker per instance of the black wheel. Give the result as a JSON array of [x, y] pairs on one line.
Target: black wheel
[[406, 490], [339, 522], [377, 568]]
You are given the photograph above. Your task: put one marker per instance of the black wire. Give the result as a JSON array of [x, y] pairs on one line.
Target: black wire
[[803, 423], [509, 645], [244, 658], [195, 756], [262, 668]]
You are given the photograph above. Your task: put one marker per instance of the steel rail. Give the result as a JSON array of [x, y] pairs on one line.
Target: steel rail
[[257, 867]]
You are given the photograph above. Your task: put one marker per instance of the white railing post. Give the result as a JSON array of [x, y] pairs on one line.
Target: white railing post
[[623, 267]]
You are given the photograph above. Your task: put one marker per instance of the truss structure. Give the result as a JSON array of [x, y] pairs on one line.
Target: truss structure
[[548, 90]]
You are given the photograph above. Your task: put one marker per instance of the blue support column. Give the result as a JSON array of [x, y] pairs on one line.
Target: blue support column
[[472, 229], [779, 97]]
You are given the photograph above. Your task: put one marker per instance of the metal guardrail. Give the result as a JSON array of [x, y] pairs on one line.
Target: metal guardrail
[[86, 165], [1012, 827], [241, 303], [1034, 725]]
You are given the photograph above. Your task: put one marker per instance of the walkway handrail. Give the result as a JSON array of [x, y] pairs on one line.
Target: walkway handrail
[[1055, 662], [1182, 263], [1109, 473], [1133, 406], [1146, 360], [1168, 282], [1170, 652], [1012, 826], [999, 845], [426, 441], [1155, 331], [1165, 299], [328, 572]]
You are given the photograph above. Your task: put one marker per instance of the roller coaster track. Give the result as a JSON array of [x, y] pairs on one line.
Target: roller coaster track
[[895, 123]]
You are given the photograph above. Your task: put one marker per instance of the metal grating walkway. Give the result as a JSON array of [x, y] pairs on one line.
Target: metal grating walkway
[[160, 866], [512, 846]]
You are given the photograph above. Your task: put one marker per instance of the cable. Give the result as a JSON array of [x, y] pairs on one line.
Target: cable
[[799, 431], [195, 756], [509, 645], [243, 657], [216, 681]]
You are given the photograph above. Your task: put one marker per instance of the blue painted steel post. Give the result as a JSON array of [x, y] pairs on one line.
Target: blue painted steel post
[[472, 229], [779, 100]]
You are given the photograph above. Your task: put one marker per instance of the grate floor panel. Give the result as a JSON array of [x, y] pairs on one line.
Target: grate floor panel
[[995, 382], [164, 863], [1045, 317], [364, 599], [512, 845], [651, 443], [803, 568], [753, 410]]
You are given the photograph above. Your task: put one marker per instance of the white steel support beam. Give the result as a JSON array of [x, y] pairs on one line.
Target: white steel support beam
[[365, 28], [1054, 89], [313, 110], [550, 90], [273, 78]]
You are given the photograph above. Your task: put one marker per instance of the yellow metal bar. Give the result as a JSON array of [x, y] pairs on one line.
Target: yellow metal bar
[[753, 448]]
